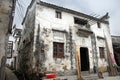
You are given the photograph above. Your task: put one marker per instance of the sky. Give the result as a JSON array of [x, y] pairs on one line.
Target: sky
[[96, 8]]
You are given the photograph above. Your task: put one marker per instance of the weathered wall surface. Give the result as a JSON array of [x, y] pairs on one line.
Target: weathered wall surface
[[4, 23], [46, 18], [5, 11], [45, 25], [104, 33], [25, 47]]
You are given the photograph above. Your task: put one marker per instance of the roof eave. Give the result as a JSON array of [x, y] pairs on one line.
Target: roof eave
[[72, 12]]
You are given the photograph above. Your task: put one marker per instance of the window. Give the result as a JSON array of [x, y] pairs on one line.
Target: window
[[99, 25], [80, 21], [10, 49], [58, 35], [101, 50], [58, 50], [58, 14]]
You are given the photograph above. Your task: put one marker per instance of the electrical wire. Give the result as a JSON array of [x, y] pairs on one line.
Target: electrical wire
[[20, 11]]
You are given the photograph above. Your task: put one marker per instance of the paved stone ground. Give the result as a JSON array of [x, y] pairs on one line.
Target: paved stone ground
[[111, 78], [88, 77], [10, 75], [105, 77], [85, 78]]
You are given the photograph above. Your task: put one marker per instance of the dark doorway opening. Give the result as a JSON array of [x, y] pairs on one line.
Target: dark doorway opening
[[84, 59]]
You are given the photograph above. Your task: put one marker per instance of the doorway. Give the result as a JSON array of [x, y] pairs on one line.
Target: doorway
[[84, 56]]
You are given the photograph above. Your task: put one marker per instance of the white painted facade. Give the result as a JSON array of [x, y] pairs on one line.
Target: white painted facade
[[46, 18]]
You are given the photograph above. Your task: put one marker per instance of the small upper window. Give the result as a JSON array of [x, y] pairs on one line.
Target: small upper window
[[102, 53], [58, 14], [99, 25], [80, 21]]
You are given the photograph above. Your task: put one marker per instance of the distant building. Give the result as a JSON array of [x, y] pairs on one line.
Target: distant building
[[12, 53], [52, 34], [17, 37]]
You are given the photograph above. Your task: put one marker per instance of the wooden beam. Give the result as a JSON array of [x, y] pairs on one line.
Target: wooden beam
[[112, 70], [78, 62]]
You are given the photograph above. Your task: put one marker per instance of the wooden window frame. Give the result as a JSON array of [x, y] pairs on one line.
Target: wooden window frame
[[10, 49], [59, 14], [56, 46], [102, 52], [99, 24]]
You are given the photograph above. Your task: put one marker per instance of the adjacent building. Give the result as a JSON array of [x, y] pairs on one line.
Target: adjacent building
[[51, 34], [6, 18], [12, 51], [116, 48]]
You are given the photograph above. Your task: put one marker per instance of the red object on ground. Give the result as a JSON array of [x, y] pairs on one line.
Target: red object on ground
[[51, 75]]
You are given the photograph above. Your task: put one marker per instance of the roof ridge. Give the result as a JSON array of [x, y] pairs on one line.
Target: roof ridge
[[71, 11]]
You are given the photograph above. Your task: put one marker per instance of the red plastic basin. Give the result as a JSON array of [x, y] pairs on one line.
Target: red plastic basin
[[51, 75]]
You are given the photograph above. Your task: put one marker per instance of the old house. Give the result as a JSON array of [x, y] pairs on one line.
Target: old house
[[12, 51], [16, 35], [52, 36], [116, 48], [6, 18]]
